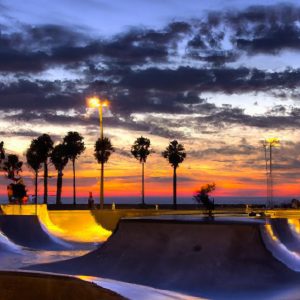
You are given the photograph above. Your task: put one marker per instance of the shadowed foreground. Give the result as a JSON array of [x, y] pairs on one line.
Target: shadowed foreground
[[29, 286], [199, 257]]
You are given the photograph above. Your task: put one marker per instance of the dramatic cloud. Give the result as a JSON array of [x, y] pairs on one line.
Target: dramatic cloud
[[163, 71]]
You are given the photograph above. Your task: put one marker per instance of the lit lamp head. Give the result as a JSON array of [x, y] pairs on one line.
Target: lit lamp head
[[95, 102], [273, 142], [104, 103]]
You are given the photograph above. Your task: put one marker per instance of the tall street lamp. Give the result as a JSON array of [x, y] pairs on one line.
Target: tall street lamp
[[96, 102]]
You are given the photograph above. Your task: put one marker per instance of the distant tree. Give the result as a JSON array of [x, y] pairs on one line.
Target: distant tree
[[19, 191], [34, 161], [59, 158], [103, 150], [2, 151], [74, 144], [44, 145], [141, 150], [13, 167], [203, 196], [295, 203], [175, 154]]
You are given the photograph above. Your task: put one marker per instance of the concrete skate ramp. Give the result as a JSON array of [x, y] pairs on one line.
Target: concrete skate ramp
[[78, 226], [200, 257], [286, 231], [27, 231], [7, 246]]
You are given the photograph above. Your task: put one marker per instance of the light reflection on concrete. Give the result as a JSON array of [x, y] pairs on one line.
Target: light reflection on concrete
[[7, 245], [74, 225], [294, 225], [136, 291], [79, 226], [290, 258], [13, 261]]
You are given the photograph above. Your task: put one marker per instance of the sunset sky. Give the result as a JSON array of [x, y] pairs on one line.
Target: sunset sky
[[218, 77]]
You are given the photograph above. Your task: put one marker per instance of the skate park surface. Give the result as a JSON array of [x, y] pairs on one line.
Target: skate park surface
[[158, 255]]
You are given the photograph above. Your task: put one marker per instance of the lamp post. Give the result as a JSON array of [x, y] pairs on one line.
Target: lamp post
[[95, 102]]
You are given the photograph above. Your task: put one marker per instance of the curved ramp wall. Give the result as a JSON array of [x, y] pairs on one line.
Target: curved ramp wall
[[186, 257], [8, 246], [77, 226], [280, 242], [27, 231], [286, 231]]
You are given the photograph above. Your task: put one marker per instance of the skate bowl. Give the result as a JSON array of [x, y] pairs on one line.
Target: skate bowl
[[27, 231], [197, 256], [76, 226]]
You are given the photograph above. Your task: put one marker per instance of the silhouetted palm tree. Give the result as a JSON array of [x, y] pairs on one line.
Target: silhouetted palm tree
[[44, 148], [13, 167], [74, 147], [175, 154], [34, 161], [59, 158], [103, 150], [141, 150]]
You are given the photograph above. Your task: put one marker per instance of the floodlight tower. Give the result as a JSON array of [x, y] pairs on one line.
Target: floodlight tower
[[268, 145]]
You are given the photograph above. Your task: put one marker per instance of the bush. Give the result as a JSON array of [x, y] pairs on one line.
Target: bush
[[202, 196]]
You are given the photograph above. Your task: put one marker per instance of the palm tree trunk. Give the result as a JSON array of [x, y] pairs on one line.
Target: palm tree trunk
[[102, 187], [45, 182], [143, 184], [58, 187], [35, 187], [174, 188], [35, 190], [74, 183]]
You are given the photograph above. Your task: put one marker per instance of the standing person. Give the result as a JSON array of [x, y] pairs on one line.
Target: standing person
[[91, 201]]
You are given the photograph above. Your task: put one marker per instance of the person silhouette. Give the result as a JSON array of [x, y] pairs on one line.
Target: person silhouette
[[91, 202]]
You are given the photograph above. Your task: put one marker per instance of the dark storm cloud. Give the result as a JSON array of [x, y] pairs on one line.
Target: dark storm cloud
[[36, 48], [237, 116], [271, 40], [266, 29], [157, 91], [228, 80], [143, 45], [133, 69], [243, 148], [217, 58], [257, 29], [27, 133], [39, 94]]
